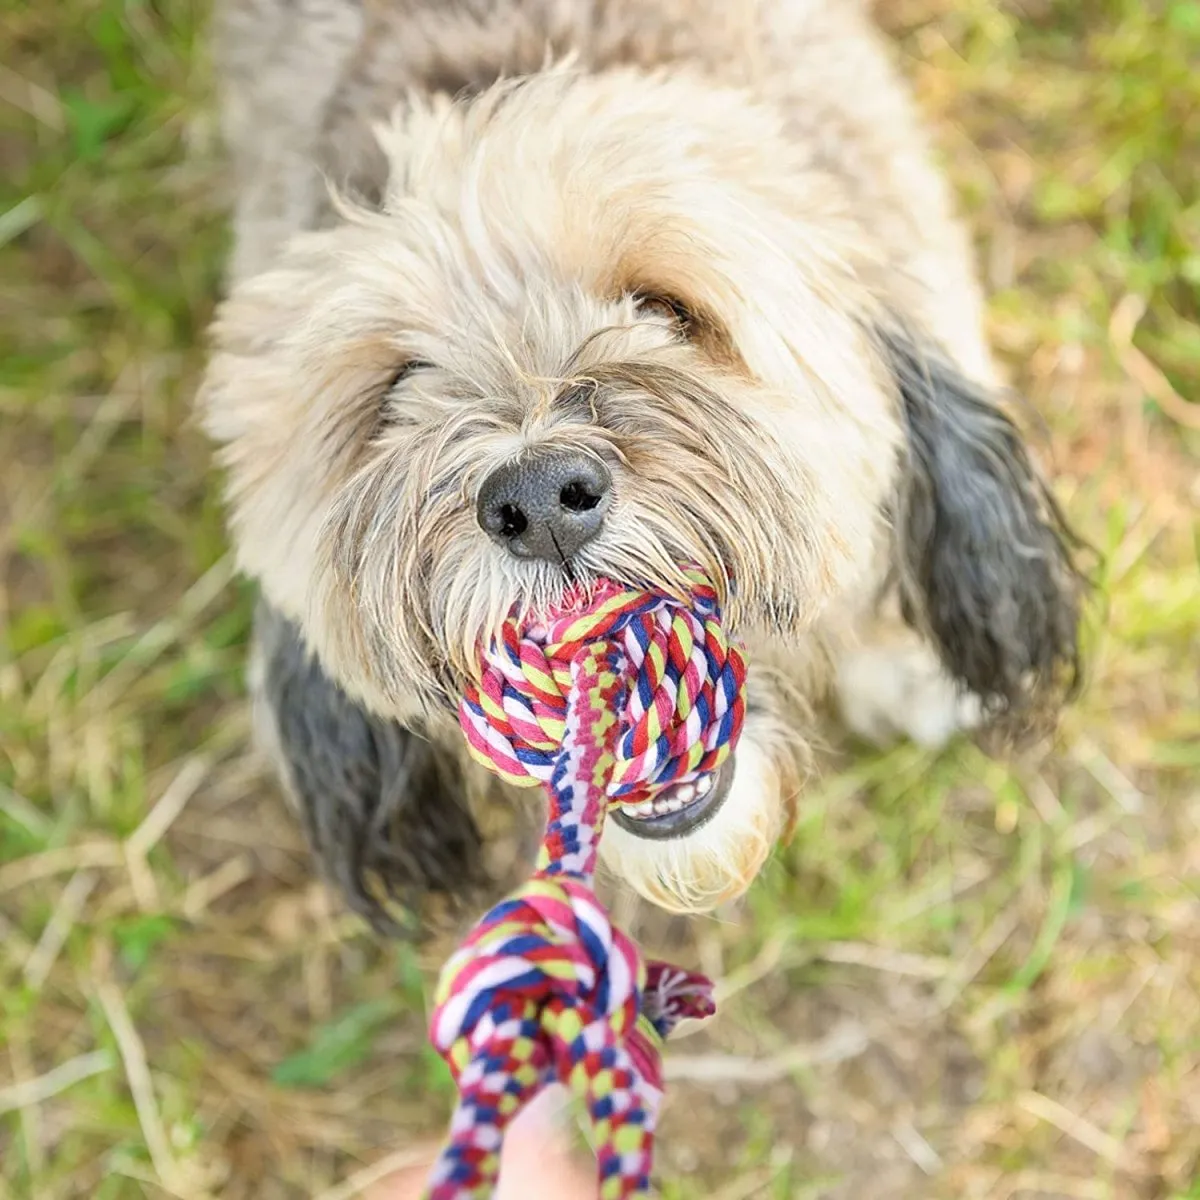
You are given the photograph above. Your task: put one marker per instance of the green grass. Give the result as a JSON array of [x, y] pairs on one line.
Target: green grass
[[982, 978]]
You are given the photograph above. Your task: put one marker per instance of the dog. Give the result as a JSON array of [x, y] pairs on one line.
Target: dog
[[525, 293]]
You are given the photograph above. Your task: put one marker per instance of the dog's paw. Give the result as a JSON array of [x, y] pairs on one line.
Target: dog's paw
[[899, 690]]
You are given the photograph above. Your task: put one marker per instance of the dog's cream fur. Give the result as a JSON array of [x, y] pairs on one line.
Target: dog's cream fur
[[511, 179]]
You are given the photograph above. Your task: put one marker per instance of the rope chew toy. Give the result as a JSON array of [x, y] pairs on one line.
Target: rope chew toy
[[617, 695]]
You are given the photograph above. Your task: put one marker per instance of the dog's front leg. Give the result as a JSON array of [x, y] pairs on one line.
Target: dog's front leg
[[890, 684]]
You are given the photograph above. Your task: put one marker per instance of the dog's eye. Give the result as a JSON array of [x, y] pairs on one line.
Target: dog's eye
[[409, 368], [666, 308]]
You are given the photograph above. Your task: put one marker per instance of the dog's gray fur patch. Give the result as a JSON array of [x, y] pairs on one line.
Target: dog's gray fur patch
[[983, 553], [384, 810]]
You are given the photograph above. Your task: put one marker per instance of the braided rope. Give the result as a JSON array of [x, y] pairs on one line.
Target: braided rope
[[619, 694]]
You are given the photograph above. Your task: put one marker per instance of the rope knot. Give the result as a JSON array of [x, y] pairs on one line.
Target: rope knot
[[551, 943], [546, 989], [616, 694], [682, 712]]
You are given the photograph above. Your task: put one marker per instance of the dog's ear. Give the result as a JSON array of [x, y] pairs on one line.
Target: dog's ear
[[983, 555], [384, 809]]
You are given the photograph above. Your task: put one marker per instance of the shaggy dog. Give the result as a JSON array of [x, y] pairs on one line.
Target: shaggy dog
[[535, 291]]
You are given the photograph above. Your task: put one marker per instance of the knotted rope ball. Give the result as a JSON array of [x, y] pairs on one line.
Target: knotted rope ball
[[617, 694]]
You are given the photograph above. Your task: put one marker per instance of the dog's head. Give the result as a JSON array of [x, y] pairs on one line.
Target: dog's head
[[607, 326]]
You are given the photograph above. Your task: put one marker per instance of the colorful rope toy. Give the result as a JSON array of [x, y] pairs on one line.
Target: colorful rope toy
[[615, 696]]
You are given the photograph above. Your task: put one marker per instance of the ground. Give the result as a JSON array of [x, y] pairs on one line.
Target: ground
[[965, 977]]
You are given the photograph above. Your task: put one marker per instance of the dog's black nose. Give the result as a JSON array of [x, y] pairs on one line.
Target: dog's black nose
[[545, 504]]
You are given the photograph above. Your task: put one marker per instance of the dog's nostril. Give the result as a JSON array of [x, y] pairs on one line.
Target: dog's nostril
[[578, 497], [513, 521]]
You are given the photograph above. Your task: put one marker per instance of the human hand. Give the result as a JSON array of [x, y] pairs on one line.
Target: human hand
[[537, 1162]]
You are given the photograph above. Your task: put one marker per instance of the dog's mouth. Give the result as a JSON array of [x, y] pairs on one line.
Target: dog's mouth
[[678, 809]]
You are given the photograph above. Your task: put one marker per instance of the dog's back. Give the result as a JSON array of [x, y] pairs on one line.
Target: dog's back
[[305, 81]]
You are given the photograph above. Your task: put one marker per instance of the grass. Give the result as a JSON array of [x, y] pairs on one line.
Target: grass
[[964, 978]]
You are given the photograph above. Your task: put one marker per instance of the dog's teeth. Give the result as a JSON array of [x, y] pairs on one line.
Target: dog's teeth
[[670, 800]]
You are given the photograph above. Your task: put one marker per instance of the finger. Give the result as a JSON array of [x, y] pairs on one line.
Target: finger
[[537, 1160]]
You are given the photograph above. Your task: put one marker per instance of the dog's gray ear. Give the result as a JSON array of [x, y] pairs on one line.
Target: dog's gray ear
[[983, 554], [384, 809]]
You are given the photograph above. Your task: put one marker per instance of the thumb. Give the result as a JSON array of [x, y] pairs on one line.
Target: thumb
[[536, 1160]]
